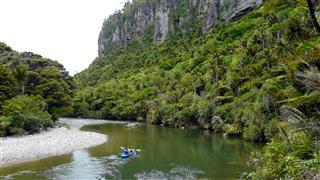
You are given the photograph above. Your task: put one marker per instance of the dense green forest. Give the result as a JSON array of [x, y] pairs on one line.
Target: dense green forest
[[257, 78], [34, 92]]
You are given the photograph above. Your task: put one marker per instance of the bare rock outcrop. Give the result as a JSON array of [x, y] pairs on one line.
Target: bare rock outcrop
[[160, 18]]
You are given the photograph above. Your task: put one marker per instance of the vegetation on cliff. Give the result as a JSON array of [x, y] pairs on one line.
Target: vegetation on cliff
[[227, 79], [34, 91], [257, 78]]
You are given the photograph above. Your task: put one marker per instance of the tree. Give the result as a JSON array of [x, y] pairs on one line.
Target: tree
[[21, 76], [7, 84], [24, 114], [313, 16], [45, 90], [56, 91]]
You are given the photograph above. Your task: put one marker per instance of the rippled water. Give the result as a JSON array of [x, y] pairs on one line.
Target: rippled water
[[166, 154]]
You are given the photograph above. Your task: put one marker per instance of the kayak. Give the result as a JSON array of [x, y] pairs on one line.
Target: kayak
[[125, 155]]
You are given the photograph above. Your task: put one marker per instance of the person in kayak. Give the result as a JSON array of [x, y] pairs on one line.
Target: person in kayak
[[127, 151]]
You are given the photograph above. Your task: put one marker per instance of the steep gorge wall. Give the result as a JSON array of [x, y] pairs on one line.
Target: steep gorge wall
[[158, 18]]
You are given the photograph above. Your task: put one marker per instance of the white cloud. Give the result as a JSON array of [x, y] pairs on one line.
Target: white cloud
[[63, 30]]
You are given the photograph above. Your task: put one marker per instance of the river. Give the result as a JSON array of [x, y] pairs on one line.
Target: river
[[165, 154]]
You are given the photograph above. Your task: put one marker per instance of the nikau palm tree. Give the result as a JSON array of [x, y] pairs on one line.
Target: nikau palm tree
[[21, 75]]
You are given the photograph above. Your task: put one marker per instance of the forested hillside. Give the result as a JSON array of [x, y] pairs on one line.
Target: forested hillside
[[34, 92], [257, 77]]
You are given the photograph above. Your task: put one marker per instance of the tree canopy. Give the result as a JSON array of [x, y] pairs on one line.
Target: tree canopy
[[26, 79], [248, 78]]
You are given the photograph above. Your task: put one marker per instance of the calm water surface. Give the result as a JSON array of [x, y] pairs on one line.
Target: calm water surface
[[166, 154]]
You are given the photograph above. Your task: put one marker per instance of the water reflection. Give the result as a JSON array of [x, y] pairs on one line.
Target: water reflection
[[30, 170], [83, 166], [166, 154], [215, 156], [178, 172]]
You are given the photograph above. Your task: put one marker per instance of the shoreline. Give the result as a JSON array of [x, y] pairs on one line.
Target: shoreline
[[54, 142]]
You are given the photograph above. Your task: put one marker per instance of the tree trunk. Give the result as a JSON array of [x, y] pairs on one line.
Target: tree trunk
[[23, 89], [313, 16]]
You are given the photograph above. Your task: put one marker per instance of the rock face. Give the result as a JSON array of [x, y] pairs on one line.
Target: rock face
[[157, 19]]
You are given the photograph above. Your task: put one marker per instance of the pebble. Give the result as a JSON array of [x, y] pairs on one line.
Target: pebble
[[57, 141]]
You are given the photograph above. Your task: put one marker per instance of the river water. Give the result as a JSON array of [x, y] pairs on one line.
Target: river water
[[165, 154]]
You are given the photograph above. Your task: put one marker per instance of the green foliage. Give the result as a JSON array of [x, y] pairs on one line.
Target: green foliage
[[7, 84], [257, 78], [233, 129], [47, 88], [293, 154], [282, 159], [31, 74], [20, 75], [24, 114], [239, 72]]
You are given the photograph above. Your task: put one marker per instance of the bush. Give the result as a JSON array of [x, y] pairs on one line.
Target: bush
[[16, 131], [287, 160], [233, 130], [4, 124], [24, 114]]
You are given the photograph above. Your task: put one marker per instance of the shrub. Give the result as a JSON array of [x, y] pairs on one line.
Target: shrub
[[288, 160], [24, 114], [4, 124], [233, 129]]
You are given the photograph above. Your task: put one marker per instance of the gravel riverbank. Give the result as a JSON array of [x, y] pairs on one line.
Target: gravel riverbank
[[57, 141]]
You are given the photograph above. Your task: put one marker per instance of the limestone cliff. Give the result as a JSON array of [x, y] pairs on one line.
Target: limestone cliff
[[159, 18]]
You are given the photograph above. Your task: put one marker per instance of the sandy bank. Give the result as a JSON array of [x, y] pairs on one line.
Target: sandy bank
[[57, 141], [78, 123]]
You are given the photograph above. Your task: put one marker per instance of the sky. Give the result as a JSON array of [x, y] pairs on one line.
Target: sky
[[62, 30]]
